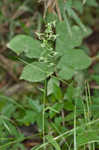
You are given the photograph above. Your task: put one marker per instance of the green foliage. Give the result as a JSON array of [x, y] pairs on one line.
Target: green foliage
[[37, 71], [68, 40], [53, 142], [33, 115], [26, 44], [73, 60], [61, 106], [46, 65], [8, 130]]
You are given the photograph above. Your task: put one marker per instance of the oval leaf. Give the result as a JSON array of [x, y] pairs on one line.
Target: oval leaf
[[26, 44], [66, 73], [36, 72], [67, 41], [75, 59]]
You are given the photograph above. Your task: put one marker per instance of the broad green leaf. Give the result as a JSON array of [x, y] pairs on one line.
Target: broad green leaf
[[66, 73], [53, 142], [66, 41], [75, 59], [72, 62], [26, 44], [51, 83], [36, 72]]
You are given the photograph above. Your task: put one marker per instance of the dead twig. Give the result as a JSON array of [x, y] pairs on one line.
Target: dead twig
[[58, 11], [49, 5]]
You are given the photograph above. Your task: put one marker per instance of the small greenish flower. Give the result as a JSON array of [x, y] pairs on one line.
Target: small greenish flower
[[47, 38]]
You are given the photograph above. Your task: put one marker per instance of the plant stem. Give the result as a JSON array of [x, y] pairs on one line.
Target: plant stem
[[75, 142], [44, 101]]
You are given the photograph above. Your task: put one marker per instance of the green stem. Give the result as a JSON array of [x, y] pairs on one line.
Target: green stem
[[44, 102]]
